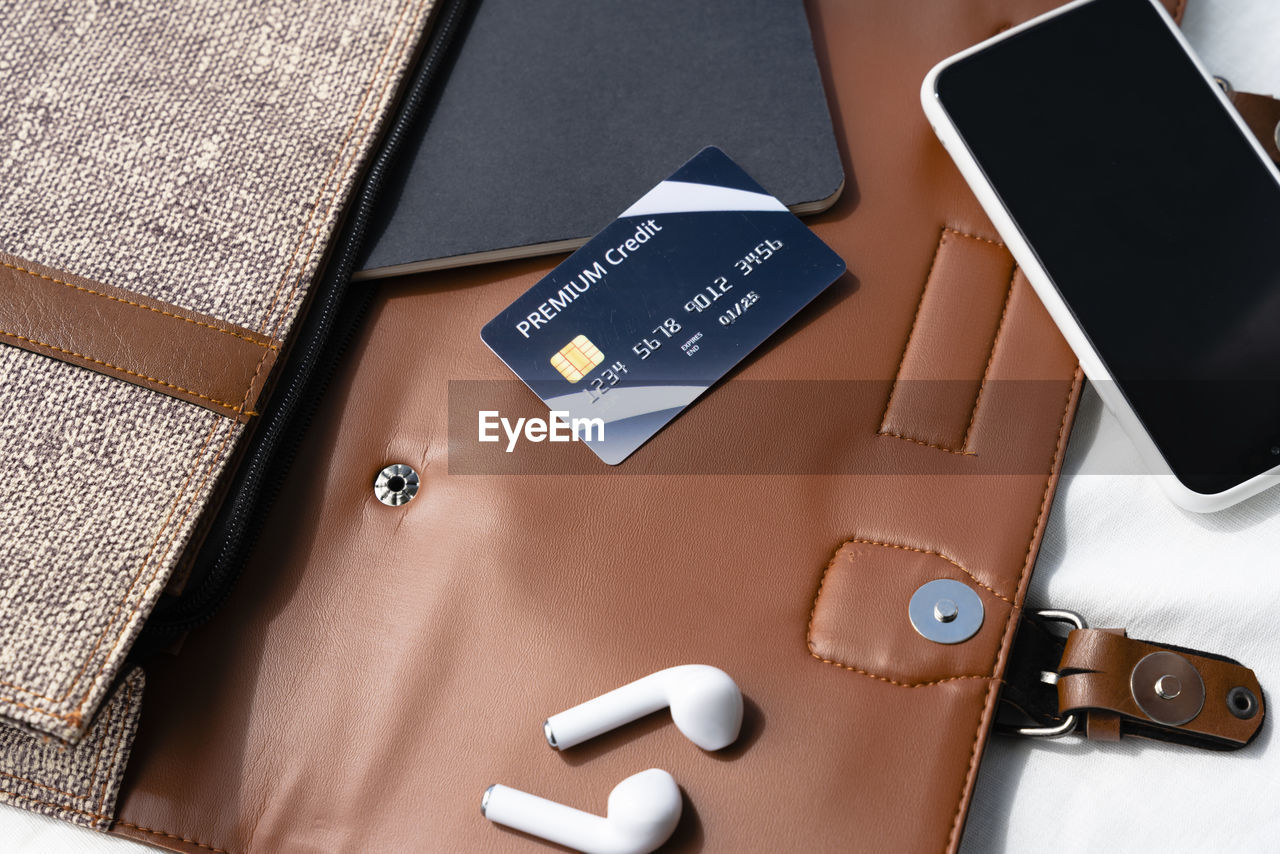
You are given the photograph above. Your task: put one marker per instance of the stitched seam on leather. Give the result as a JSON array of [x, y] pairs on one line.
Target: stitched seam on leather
[[931, 552], [164, 525], [890, 434], [233, 407], [889, 681], [1010, 621], [161, 833], [915, 320], [973, 759], [991, 357], [324, 185], [822, 583], [333, 198], [232, 333], [75, 715]]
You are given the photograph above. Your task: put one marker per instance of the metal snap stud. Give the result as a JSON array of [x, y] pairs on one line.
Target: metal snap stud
[[1242, 703], [945, 611], [1168, 688], [396, 484]]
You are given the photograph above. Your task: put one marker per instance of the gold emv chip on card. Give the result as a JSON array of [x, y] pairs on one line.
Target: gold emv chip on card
[[577, 358]]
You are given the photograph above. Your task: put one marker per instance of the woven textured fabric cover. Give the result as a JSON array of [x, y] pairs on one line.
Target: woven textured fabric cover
[[79, 783], [199, 152]]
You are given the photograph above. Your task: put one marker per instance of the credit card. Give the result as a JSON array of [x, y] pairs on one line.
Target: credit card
[[661, 304]]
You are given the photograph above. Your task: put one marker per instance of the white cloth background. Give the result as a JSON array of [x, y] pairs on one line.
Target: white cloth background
[[1118, 552]]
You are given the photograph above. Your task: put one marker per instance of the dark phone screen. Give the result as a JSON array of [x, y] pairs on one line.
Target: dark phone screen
[[1152, 214]]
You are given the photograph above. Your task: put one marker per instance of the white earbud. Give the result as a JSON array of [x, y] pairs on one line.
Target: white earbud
[[706, 706], [642, 814]]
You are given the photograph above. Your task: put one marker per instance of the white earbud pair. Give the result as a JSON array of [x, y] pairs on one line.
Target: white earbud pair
[[643, 809]]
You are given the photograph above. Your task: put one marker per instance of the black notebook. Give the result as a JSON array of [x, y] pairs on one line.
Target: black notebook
[[558, 114]]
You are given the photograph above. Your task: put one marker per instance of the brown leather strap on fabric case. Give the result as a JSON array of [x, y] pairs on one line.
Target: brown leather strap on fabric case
[[1262, 114], [133, 338]]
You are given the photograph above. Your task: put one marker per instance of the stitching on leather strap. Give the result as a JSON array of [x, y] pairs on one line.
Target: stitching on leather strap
[[230, 332], [991, 357], [961, 452], [237, 409], [915, 320]]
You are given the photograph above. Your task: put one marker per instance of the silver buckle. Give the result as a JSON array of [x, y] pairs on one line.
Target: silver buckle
[[1051, 678]]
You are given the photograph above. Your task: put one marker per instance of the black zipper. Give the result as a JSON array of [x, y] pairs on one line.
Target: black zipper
[[326, 333]]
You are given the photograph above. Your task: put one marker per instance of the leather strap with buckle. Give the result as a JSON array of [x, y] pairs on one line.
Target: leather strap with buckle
[[1111, 686]]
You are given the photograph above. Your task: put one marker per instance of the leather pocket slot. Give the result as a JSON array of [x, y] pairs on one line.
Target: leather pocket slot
[[939, 380], [860, 623]]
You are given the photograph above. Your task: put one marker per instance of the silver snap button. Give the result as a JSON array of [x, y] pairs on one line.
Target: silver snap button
[[945, 611], [396, 484], [1168, 686]]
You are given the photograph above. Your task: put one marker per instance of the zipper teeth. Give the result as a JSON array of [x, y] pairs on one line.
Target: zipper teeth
[[291, 412]]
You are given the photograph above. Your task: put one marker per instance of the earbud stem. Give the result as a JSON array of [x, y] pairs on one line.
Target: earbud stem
[[546, 819], [608, 711], [643, 812]]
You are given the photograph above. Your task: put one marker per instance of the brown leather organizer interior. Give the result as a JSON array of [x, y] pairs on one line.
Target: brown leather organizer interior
[[377, 668]]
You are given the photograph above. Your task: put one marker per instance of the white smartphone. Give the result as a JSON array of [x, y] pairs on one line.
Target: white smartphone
[[1147, 218]]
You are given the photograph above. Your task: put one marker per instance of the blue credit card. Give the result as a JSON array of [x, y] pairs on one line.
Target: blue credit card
[[662, 303]]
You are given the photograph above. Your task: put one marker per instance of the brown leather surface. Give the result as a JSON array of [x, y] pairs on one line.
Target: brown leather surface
[[851, 606], [1262, 114], [937, 391], [1096, 669], [1099, 724], [378, 667], [133, 338]]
